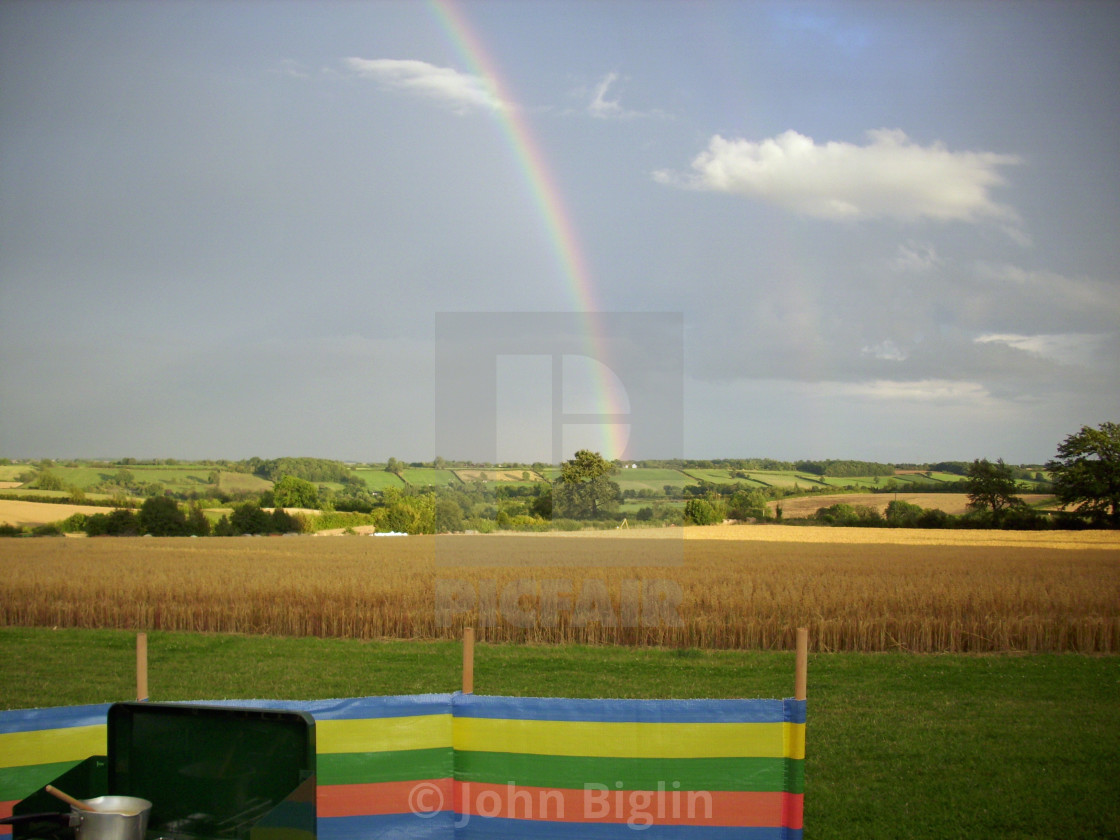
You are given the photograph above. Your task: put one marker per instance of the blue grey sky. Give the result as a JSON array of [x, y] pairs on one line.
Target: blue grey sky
[[226, 228]]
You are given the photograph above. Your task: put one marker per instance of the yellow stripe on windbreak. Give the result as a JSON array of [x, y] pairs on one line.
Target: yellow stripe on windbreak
[[795, 740], [624, 739], [51, 746], [412, 732]]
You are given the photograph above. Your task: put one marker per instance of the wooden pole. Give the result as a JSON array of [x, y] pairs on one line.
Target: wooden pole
[[801, 677], [141, 666], [468, 660]]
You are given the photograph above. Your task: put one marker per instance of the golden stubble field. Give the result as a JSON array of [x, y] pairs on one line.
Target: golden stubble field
[[29, 514], [803, 507], [720, 587]]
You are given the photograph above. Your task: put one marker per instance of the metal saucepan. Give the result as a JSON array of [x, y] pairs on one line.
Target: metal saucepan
[[104, 818], [113, 818]]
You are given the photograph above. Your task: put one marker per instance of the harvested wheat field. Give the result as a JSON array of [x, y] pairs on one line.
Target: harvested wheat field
[[803, 507], [711, 593], [1058, 540], [30, 514]]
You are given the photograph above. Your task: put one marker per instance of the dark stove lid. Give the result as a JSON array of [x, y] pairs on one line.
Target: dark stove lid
[[207, 766]]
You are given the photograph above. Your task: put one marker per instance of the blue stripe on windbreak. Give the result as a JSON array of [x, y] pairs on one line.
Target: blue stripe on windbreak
[[500, 828], [396, 826], [465, 705], [61, 717], [352, 708], [795, 710], [626, 711]]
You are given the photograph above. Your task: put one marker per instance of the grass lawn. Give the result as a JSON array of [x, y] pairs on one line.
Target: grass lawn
[[898, 745]]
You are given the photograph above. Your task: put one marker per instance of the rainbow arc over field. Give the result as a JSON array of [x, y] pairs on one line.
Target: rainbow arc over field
[[548, 202]]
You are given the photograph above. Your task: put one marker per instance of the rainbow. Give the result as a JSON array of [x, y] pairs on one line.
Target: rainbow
[[548, 203]]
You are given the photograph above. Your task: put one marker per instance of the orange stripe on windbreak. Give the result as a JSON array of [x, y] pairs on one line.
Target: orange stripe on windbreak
[[417, 797], [636, 807]]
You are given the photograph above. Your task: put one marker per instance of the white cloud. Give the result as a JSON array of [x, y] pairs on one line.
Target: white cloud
[[1064, 348], [601, 106], [921, 390], [461, 92], [604, 108], [890, 177], [916, 257], [887, 351]]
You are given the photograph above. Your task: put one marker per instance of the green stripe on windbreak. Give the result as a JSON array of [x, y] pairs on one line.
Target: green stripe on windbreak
[[574, 772], [20, 782], [389, 766], [796, 783]]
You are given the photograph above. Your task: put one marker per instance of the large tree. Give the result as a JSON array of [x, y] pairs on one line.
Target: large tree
[[294, 492], [162, 517], [584, 490], [248, 518], [1087, 471], [991, 487]]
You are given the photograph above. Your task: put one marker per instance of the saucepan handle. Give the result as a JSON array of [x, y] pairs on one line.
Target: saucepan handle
[[59, 817]]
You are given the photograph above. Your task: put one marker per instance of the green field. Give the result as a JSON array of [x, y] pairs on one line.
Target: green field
[[238, 482], [378, 480], [751, 479], [787, 480], [425, 477], [898, 746], [650, 479], [714, 476], [863, 482], [185, 477], [12, 472]]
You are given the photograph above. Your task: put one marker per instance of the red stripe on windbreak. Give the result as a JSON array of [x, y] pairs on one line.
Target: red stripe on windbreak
[[795, 810], [636, 807], [6, 811], [670, 807], [417, 797]]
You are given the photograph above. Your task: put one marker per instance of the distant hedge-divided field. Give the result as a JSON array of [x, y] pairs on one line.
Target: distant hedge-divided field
[[201, 476], [47, 497]]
